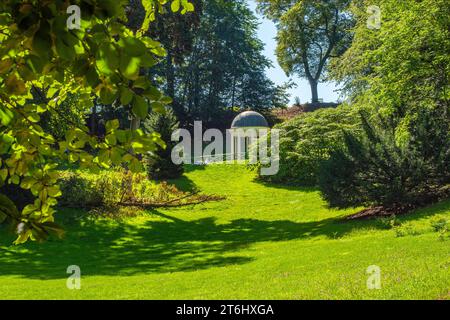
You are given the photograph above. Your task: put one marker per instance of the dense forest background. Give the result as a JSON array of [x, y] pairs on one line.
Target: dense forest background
[[214, 68]]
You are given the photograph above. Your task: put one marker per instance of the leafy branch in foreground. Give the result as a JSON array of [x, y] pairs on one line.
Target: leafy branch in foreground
[[103, 59]]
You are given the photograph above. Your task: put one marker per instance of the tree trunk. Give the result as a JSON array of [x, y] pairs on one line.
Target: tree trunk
[[314, 91], [233, 94], [93, 120], [135, 123], [170, 74]]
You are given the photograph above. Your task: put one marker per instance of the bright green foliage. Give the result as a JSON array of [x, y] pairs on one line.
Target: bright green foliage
[[101, 59], [402, 67], [308, 139], [401, 72], [153, 6], [111, 189], [310, 32], [374, 170]]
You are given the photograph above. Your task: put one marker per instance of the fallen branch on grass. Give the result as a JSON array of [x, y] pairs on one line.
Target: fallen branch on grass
[[186, 200]]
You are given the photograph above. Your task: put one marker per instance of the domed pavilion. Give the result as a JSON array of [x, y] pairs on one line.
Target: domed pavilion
[[245, 130]]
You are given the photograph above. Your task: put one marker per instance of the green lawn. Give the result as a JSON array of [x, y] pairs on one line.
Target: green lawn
[[262, 242]]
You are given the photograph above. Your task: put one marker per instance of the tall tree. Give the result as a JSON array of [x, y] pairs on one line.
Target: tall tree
[[225, 71], [397, 69], [176, 33], [310, 32], [400, 73]]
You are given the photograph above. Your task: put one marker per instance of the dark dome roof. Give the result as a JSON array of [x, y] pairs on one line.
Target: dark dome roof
[[249, 119]]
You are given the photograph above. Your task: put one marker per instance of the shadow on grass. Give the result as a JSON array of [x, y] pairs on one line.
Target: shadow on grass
[[442, 207], [184, 184], [116, 248], [289, 187], [107, 247], [192, 167]]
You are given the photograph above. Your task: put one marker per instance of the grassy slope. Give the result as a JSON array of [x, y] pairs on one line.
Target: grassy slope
[[263, 242]]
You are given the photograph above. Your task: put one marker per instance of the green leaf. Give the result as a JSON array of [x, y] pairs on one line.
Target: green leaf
[[6, 115], [152, 93], [148, 61], [166, 100], [103, 158], [92, 77], [189, 7], [107, 58], [133, 46], [129, 67], [15, 86], [126, 96], [34, 117], [140, 107], [64, 51], [111, 139], [73, 157], [54, 228], [108, 95], [123, 136], [5, 65], [29, 209], [15, 179], [158, 107], [54, 191], [42, 43], [112, 125], [23, 237], [27, 183], [116, 156], [35, 63], [3, 174], [135, 165], [36, 188], [175, 6], [7, 207]]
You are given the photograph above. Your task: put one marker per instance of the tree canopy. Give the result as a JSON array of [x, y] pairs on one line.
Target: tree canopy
[[224, 69], [310, 32], [400, 75], [403, 66], [103, 59]]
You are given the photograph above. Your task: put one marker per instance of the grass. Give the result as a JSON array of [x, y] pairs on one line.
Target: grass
[[262, 242]]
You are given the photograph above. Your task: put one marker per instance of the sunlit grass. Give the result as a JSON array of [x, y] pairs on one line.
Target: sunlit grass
[[262, 242]]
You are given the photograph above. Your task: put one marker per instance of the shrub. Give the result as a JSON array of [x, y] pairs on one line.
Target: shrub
[[441, 226], [378, 169], [307, 140], [402, 74], [159, 164], [86, 190], [111, 188], [78, 191]]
